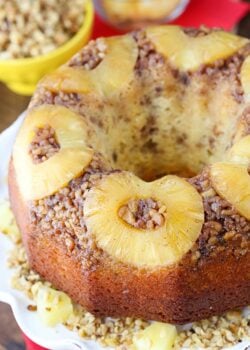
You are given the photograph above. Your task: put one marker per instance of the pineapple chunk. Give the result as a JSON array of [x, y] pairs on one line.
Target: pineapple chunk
[[150, 247], [6, 216], [232, 182], [245, 78], [231, 179], [7, 222], [158, 336], [188, 53], [240, 152], [115, 71], [53, 307], [39, 180]]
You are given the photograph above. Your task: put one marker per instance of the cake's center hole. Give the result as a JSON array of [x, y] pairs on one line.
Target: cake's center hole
[[143, 213], [44, 144]]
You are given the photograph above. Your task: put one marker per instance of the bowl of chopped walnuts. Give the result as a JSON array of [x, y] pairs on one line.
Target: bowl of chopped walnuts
[[38, 36]]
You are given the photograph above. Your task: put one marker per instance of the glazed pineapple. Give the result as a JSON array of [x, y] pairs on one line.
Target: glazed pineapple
[[240, 152], [187, 53], [39, 180], [232, 180], [158, 336], [159, 246], [105, 78], [53, 306]]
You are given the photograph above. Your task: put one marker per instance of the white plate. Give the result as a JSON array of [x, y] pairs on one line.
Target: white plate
[[59, 337]]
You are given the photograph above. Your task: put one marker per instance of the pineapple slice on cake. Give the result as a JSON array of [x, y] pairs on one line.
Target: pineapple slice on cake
[[240, 151], [189, 53], [40, 180], [232, 180], [162, 245], [114, 71]]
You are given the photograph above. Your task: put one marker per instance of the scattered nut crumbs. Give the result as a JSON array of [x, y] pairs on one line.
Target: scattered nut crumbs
[[8, 223], [214, 333], [32, 28], [32, 307], [117, 333], [217, 332]]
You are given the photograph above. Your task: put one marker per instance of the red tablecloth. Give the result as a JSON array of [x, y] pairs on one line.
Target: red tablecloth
[[30, 345], [212, 13]]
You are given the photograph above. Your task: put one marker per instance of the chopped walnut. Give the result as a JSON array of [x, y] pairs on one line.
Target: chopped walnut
[[148, 57], [143, 213], [91, 55], [33, 28], [44, 144], [198, 32]]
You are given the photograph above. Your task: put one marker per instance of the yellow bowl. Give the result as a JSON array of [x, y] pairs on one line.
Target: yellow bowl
[[21, 75]]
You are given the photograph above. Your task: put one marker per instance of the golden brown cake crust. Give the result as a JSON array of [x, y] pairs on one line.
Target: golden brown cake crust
[[179, 294], [213, 274]]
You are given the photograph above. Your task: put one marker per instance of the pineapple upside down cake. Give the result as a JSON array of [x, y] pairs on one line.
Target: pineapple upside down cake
[[129, 177]]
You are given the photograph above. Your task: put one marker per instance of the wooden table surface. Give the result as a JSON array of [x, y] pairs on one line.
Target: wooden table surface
[[11, 105]]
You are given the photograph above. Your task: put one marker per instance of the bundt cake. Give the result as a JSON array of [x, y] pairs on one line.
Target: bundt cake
[[130, 180]]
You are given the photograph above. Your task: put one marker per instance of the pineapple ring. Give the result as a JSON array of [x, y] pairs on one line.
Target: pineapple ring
[[240, 151], [231, 179], [188, 53], [37, 181], [106, 78], [232, 182], [245, 78], [156, 247]]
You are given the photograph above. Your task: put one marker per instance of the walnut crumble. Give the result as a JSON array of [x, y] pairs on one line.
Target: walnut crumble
[[143, 213], [223, 226], [33, 28], [44, 144], [91, 55]]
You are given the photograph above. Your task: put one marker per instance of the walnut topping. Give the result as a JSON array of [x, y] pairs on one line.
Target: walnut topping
[[91, 55], [62, 213], [70, 244], [229, 69], [148, 57], [223, 226], [64, 209], [197, 32], [44, 144], [143, 213]]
